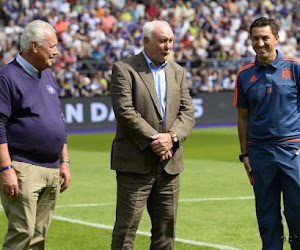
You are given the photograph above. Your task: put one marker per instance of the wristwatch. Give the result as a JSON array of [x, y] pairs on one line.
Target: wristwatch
[[174, 137], [241, 157]]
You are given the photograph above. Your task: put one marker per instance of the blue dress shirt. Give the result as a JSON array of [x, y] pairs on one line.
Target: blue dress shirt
[[159, 78]]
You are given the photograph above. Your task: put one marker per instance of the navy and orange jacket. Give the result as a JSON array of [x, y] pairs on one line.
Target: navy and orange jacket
[[271, 94]]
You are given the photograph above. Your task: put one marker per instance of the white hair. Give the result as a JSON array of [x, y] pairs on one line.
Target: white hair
[[34, 31], [149, 26]]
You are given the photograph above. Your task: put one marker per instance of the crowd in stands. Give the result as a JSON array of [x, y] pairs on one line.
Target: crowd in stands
[[211, 37]]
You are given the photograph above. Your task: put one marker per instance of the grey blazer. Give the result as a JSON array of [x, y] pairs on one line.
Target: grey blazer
[[138, 115]]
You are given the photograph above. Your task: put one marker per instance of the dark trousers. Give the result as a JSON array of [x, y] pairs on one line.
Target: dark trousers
[[276, 170], [160, 191]]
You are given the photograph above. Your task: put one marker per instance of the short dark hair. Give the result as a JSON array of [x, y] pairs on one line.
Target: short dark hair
[[263, 22]]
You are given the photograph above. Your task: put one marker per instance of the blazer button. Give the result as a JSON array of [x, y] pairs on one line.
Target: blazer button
[[161, 121]]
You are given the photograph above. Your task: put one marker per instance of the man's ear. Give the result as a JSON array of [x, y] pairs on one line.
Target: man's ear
[[33, 46], [146, 40], [277, 39]]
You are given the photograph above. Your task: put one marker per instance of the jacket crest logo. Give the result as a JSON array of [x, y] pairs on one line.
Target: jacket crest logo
[[50, 89], [286, 74]]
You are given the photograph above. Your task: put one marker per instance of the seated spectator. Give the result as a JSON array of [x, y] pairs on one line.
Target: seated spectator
[[78, 6], [227, 82], [61, 25], [127, 51], [194, 29], [22, 19], [214, 46], [96, 89], [104, 86], [182, 53], [221, 56], [97, 35], [218, 81], [288, 47], [226, 40], [10, 9], [85, 51], [9, 52], [69, 55], [108, 20], [12, 31], [231, 6], [151, 11], [68, 73], [118, 4], [189, 12], [194, 81], [64, 6], [163, 11], [66, 89], [118, 42], [206, 84], [82, 86], [98, 52], [126, 14]]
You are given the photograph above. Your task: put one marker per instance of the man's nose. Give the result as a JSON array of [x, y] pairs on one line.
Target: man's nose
[[260, 43], [56, 52], [168, 44]]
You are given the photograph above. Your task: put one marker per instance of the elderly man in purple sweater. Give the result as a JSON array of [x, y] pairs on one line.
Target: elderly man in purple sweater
[[34, 162]]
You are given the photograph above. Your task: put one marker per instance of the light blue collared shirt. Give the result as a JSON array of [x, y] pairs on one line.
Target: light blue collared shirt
[[159, 78], [27, 66]]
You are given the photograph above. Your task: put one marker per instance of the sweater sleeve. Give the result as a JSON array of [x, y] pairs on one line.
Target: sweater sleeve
[[5, 108]]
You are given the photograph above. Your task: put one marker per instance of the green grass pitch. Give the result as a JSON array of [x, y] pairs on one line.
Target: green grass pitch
[[216, 207]]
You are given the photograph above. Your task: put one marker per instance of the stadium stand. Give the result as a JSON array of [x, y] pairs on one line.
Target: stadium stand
[[211, 37]]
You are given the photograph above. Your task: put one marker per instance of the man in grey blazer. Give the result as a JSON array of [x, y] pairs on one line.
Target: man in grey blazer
[[155, 115]]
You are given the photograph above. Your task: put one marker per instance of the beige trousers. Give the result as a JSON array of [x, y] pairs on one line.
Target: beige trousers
[[29, 215]]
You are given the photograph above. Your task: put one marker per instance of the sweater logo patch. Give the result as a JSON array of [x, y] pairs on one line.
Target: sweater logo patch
[[50, 89], [286, 74]]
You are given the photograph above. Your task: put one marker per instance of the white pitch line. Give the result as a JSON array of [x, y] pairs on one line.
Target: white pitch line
[[87, 205], [102, 226], [190, 242], [217, 199], [180, 200]]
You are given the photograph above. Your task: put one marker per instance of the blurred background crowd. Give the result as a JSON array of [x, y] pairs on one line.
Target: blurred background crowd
[[211, 37]]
